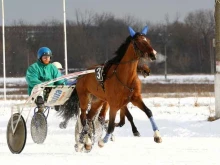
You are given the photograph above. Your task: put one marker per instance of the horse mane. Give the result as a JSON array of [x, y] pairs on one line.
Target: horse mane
[[120, 52]]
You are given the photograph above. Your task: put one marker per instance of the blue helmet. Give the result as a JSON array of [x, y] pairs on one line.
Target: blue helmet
[[44, 51]]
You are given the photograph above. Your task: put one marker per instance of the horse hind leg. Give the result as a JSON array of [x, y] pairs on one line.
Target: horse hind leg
[[79, 146], [125, 112], [130, 119], [88, 143], [97, 123], [83, 139], [87, 134], [63, 124]]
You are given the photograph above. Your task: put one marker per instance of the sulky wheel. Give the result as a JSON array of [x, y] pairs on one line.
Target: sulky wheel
[[16, 141], [39, 128]]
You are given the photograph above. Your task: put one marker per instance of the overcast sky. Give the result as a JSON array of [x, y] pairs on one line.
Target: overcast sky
[[35, 11]]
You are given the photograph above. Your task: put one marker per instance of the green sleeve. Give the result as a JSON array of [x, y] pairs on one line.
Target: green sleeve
[[58, 74], [32, 77]]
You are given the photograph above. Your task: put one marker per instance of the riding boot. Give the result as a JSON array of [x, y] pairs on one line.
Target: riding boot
[[57, 108], [40, 103]]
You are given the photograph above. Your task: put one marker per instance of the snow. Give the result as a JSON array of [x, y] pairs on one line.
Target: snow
[[188, 138], [17, 80], [179, 79]]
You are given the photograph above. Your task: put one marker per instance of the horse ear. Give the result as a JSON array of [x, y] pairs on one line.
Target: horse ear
[[132, 32], [145, 29]]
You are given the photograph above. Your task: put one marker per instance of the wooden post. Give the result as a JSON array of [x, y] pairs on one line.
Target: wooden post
[[217, 48]]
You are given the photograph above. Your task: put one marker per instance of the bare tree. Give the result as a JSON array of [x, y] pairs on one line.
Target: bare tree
[[202, 26]]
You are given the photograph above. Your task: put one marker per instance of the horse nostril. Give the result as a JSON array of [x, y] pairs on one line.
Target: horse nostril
[[152, 56]]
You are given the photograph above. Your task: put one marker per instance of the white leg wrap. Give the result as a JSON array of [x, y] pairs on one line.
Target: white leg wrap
[[101, 143], [157, 133], [80, 147], [88, 140]]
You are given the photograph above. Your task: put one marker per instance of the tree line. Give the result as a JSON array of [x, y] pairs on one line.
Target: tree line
[[93, 38]]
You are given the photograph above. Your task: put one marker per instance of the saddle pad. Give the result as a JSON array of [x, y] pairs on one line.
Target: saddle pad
[[99, 73]]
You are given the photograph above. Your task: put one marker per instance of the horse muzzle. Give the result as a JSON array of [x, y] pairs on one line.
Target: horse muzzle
[[152, 56]]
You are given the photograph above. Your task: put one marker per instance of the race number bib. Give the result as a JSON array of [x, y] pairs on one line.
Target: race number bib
[[98, 73]]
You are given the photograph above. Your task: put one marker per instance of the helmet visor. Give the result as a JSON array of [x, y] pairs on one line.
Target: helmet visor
[[46, 54]]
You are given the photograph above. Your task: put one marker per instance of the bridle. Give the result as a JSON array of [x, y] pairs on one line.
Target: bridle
[[138, 53]]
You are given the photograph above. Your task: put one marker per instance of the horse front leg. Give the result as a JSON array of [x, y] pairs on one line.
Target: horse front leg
[[111, 126], [140, 104], [102, 120]]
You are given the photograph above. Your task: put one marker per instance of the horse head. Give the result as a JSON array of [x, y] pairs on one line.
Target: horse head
[[142, 44]]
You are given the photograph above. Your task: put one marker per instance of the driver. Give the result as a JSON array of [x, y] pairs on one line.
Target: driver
[[42, 71]]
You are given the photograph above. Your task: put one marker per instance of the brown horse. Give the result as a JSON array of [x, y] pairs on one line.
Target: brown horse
[[142, 69], [123, 112], [121, 84]]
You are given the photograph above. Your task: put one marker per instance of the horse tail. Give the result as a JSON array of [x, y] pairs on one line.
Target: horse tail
[[70, 108]]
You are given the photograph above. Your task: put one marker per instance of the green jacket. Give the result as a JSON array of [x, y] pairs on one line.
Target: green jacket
[[39, 72]]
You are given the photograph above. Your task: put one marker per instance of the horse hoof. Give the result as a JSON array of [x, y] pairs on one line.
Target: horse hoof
[[101, 143], [158, 139], [88, 147], [112, 138], [116, 124], [137, 134], [77, 148], [62, 125], [119, 124]]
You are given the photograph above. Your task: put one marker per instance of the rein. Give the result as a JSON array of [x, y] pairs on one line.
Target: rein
[[138, 53]]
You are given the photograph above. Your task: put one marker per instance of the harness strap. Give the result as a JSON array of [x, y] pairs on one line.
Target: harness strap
[[130, 89], [138, 53]]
